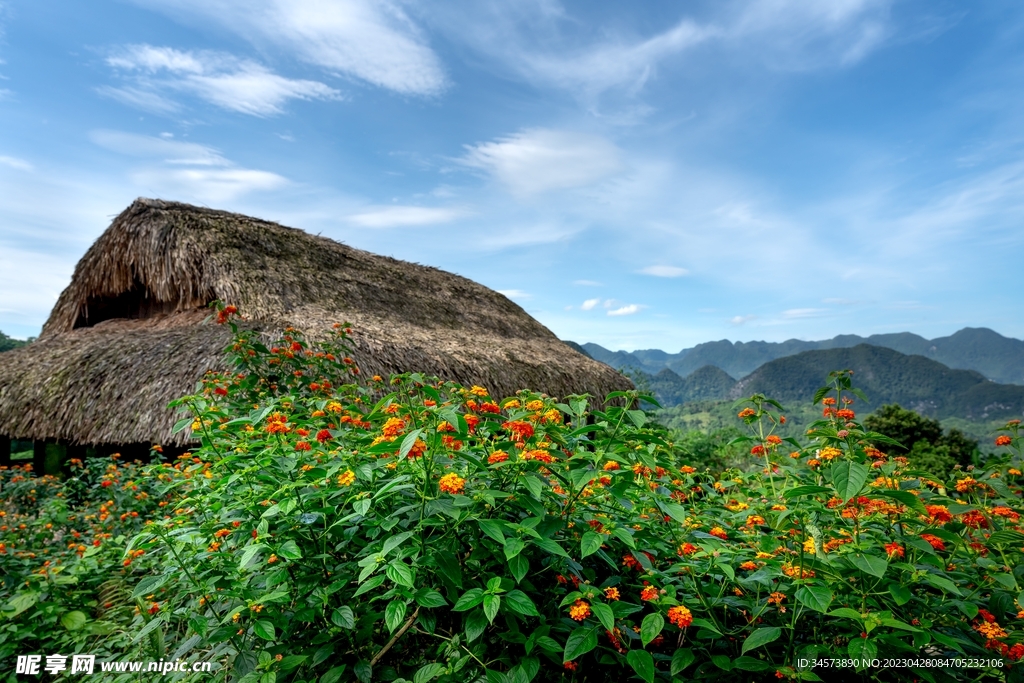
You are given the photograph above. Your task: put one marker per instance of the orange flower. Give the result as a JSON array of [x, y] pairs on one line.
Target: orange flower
[[611, 466], [393, 427], [894, 550], [776, 598], [680, 616], [936, 542], [686, 469], [966, 484], [1003, 440], [520, 430], [452, 483], [303, 446], [746, 412], [649, 593], [323, 436], [497, 456], [748, 566], [417, 450], [687, 549], [611, 593], [939, 513], [719, 532], [846, 414], [974, 519], [579, 610], [757, 450], [773, 439], [1006, 512]]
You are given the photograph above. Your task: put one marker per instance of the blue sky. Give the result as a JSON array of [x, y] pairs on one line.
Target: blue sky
[[640, 175]]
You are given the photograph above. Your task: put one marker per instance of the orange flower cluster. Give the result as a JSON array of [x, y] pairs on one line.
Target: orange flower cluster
[[1003, 440], [680, 616], [497, 456], [776, 598], [894, 550], [939, 514], [521, 431], [649, 593], [393, 427], [539, 456], [829, 453], [276, 424], [719, 532], [793, 572], [687, 549], [1001, 511], [974, 519], [746, 412], [611, 593], [935, 542], [346, 478], [452, 483], [966, 484], [579, 610]]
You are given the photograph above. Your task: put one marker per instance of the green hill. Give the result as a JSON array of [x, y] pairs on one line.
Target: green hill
[[998, 358], [8, 343]]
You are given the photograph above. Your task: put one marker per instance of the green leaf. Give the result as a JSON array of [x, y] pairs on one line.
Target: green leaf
[[871, 564], [492, 528], [73, 621], [519, 566], [394, 613], [550, 546], [249, 553], [333, 675], [942, 582], [604, 614], [862, 648], [722, 662], [845, 612], [533, 485], [400, 573], [752, 664], [475, 623], [264, 629], [448, 566], [428, 672], [469, 600], [491, 605], [650, 627], [393, 542], [408, 442], [369, 585], [848, 478], [817, 598], [624, 536], [642, 663], [580, 642], [805, 491], [590, 543], [428, 597], [290, 550], [344, 617], [528, 667], [513, 546], [905, 498], [901, 594], [759, 637], [673, 510], [1006, 538], [681, 658], [149, 585], [520, 603]]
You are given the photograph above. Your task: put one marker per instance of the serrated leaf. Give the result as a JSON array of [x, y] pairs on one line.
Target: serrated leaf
[[73, 621], [492, 528], [428, 597], [400, 573], [344, 617], [817, 598], [590, 543], [520, 603], [681, 658], [428, 672], [491, 605], [264, 629], [759, 637], [394, 613], [475, 623], [513, 546], [624, 536], [871, 564], [550, 546], [580, 642], [519, 566], [369, 585], [469, 600], [393, 542], [651, 626], [849, 478], [290, 550], [863, 649], [642, 663]]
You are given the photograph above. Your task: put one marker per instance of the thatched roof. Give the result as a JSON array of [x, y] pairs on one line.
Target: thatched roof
[[127, 335]]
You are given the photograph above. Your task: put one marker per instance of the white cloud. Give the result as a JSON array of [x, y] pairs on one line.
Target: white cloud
[[395, 216], [164, 149], [538, 160], [187, 169], [798, 313], [207, 184], [373, 41], [590, 304], [586, 283], [741, 319], [665, 271], [515, 294], [220, 79], [15, 163], [626, 310]]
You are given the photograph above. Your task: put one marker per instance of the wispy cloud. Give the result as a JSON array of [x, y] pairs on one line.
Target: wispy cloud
[[515, 293], [664, 271], [375, 42], [629, 309], [590, 304], [586, 283], [741, 319], [15, 163], [396, 216], [186, 169], [216, 77], [538, 160], [800, 313]]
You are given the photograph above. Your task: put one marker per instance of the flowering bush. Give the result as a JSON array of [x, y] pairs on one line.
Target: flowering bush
[[334, 528]]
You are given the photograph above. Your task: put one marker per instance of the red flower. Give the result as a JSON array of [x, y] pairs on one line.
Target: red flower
[[303, 446], [894, 550], [520, 430], [757, 450], [1003, 440], [936, 542], [649, 593], [323, 436], [220, 391]]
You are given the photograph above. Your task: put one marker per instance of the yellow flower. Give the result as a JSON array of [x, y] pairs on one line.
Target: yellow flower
[[346, 478]]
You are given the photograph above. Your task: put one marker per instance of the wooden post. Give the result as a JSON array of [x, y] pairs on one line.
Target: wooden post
[[5, 451]]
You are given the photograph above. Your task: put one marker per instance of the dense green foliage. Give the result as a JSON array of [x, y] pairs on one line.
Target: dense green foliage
[[8, 343], [922, 440], [333, 527], [998, 358]]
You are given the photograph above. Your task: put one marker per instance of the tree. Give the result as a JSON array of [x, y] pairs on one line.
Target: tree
[[922, 439], [8, 343]]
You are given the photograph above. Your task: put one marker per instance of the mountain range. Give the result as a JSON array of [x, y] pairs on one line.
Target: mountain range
[[998, 358]]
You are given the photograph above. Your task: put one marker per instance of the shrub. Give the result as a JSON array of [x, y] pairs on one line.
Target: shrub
[[330, 527]]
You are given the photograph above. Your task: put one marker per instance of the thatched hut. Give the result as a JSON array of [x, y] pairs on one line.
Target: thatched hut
[[128, 334]]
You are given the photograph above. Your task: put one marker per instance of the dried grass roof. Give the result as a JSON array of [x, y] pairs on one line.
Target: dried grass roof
[[127, 335]]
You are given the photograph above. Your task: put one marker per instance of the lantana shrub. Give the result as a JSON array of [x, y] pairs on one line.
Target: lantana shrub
[[333, 527]]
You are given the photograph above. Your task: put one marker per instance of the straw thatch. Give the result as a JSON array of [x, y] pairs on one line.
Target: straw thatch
[[128, 334]]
